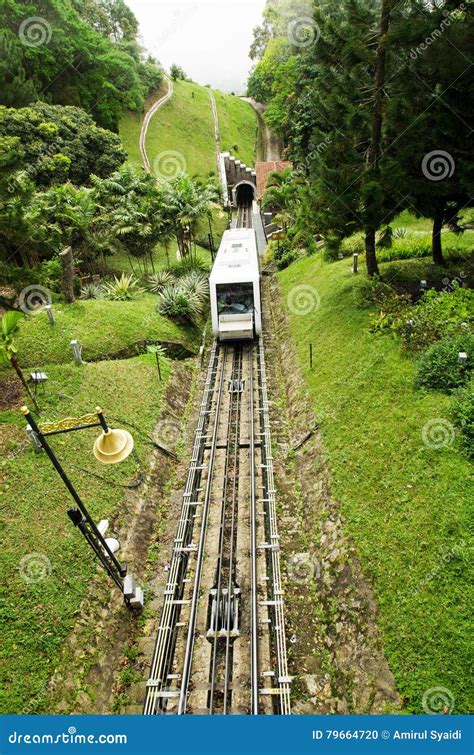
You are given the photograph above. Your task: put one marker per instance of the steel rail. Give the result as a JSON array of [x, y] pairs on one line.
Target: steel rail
[[232, 548], [235, 376], [175, 586], [278, 623], [254, 673], [188, 657]]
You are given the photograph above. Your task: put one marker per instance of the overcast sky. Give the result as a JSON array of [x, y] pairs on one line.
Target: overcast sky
[[210, 39]]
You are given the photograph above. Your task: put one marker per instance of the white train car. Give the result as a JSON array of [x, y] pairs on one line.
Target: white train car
[[235, 287]]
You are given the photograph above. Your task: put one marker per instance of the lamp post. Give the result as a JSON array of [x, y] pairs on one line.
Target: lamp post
[[111, 447]]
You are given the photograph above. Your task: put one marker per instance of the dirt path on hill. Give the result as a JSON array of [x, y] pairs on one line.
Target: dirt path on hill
[[146, 122], [271, 146]]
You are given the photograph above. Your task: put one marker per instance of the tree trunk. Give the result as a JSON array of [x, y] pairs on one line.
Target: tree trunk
[[371, 253], [19, 372], [436, 243], [67, 286], [377, 122]]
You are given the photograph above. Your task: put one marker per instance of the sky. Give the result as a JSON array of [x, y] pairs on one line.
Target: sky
[[210, 39]]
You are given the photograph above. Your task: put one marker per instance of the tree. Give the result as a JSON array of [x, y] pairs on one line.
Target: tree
[[185, 203], [62, 58], [373, 205], [177, 73], [431, 165], [57, 144], [8, 349]]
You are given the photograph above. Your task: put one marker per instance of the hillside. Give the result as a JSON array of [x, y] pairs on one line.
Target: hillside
[[238, 127], [405, 503]]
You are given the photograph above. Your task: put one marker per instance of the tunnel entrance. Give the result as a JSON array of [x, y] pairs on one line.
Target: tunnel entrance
[[245, 194]]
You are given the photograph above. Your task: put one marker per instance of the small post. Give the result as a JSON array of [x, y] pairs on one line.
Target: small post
[[355, 266], [67, 260], [34, 440], [311, 355], [50, 313], [462, 357], [158, 366], [77, 353], [423, 285]]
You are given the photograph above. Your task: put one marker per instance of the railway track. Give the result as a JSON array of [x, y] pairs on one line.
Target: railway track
[[244, 216], [221, 646]]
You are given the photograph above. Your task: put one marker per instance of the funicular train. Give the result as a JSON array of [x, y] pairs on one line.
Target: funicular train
[[235, 287]]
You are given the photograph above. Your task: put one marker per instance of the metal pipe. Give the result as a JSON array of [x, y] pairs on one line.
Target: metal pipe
[[253, 554]]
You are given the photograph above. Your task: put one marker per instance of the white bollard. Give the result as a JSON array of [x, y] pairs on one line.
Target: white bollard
[[77, 353], [50, 313], [462, 357]]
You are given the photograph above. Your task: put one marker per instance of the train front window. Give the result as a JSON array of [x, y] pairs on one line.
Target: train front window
[[235, 299]]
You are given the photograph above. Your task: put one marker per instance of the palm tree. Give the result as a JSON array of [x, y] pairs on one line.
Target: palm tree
[[185, 204], [281, 195], [8, 350]]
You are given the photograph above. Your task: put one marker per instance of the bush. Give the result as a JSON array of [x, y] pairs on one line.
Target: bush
[[463, 413], [124, 288], [439, 314], [178, 305], [159, 281], [353, 245], [284, 254], [188, 265], [196, 286], [92, 291], [440, 369]]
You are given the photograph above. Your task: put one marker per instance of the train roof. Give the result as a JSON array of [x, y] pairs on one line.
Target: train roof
[[237, 258]]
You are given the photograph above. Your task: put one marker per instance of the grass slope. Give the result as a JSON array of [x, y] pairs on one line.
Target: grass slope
[[37, 617], [131, 124], [101, 327], [238, 127], [406, 504], [184, 126]]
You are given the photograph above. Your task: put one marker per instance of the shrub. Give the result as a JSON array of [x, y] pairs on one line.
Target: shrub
[[438, 314], [178, 305], [124, 288], [159, 281], [196, 286], [92, 291], [188, 265], [439, 368], [284, 254], [400, 233], [353, 245], [463, 413]]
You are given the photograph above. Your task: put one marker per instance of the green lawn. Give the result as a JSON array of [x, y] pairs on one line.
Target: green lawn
[[37, 617], [184, 126], [238, 127], [406, 504], [101, 327]]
